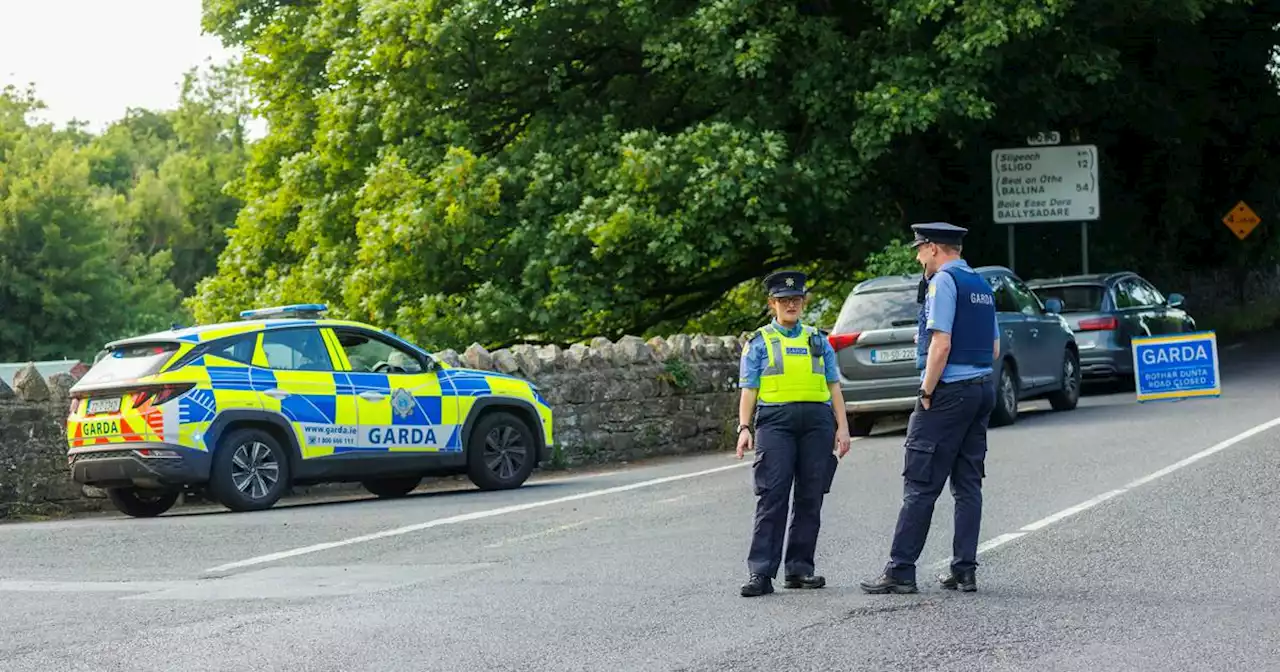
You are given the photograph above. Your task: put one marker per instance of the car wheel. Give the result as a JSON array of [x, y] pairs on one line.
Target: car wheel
[[861, 424], [250, 471], [142, 502], [501, 452], [1006, 410], [397, 486], [1068, 396]]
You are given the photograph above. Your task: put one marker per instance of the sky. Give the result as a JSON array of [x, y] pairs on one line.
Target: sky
[[93, 59]]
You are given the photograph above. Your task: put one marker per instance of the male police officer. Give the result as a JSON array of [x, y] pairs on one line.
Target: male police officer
[[789, 371], [958, 339]]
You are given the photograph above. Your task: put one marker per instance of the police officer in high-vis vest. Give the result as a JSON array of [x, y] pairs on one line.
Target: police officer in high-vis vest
[[790, 380], [957, 342]]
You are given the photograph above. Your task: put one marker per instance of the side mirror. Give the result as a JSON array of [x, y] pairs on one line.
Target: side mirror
[[1175, 300], [1053, 306]]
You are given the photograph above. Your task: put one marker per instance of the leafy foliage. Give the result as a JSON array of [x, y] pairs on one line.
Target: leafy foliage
[[100, 236], [549, 171]]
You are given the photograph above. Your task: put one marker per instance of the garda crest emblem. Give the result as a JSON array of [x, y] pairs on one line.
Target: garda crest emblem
[[402, 402]]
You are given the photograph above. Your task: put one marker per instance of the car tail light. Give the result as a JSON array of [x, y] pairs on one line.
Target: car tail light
[[159, 395], [841, 341], [1099, 324]]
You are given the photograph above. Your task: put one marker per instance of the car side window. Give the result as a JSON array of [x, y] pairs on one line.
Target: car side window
[[1026, 301], [1005, 302], [1124, 295], [296, 350], [237, 348], [1148, 295], [374, 355]]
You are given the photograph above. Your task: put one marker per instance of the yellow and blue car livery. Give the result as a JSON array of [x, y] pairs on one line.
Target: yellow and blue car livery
[[303, 399]]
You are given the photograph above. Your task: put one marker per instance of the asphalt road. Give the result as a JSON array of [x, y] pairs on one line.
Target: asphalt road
[[1170, 564]]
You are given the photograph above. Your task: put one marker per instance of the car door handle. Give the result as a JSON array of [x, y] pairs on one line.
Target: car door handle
[[1035, 332], [372, 395], [276, 393], [1008, 332]]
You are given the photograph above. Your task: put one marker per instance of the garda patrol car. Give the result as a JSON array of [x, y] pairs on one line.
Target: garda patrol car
[[242, 410]]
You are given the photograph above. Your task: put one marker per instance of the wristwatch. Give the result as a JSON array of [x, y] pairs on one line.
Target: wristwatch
[[925, 395], [742, 427]]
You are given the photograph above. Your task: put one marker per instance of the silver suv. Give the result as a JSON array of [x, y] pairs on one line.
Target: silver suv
[[874, 340]]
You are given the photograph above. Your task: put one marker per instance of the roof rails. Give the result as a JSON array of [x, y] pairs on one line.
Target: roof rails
[[297, 311]]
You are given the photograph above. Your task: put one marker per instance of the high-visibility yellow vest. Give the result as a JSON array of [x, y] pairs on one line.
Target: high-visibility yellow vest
[[793, 373]]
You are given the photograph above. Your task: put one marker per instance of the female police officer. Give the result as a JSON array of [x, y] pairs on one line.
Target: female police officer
[[788, 371]]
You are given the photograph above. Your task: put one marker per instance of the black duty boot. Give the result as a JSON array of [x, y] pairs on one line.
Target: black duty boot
[[887, 584], [808, 581], [965, 581], [757, 585]]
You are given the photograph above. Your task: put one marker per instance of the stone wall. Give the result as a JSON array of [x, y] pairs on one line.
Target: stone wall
[[621, 401], [33, 462], [612, 402]]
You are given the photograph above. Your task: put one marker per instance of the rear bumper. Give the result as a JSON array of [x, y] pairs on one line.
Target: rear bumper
[[1105, 362], [130, 465], [886, 395], [886, 405]]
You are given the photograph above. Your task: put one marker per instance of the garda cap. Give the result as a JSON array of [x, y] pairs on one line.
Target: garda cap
[[785, 283], [941, 233]]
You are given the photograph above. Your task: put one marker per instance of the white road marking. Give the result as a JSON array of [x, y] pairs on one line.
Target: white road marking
[[281, 583], [543, 533], [1065, 513], [671, 500], [1089, 504], [467, 517]]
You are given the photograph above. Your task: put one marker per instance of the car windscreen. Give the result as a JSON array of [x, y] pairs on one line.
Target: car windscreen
[[1074, 298], [129, 362], [882, 309]]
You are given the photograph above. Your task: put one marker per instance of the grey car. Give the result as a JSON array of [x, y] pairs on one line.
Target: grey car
[[1106, 310], [874, 340]]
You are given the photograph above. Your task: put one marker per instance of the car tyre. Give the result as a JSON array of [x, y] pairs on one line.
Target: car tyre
[[1006, 410], [501, 452], [392, 487], [250, 470], [861, 424], [1066, 398], [142, 502]]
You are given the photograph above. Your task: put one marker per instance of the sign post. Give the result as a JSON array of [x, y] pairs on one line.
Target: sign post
[[1176, 367], [1046, 184]]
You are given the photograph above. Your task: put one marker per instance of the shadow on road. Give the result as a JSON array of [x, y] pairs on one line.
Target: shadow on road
[[358, 497]]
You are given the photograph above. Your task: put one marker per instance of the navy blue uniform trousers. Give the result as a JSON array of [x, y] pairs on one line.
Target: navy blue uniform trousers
[[794, 444], [947, 441]]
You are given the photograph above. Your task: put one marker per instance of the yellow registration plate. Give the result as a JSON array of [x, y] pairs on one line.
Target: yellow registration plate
[[100, 428]]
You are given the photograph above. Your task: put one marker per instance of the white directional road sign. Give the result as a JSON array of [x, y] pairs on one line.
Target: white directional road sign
[[1176, 367], [1045, 184]]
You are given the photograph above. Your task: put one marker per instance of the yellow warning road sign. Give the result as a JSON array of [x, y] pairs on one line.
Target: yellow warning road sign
[[1242, 220]]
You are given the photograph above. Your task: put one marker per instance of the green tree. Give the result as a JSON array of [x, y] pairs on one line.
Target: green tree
[[547, 171], [174, 167], [69, 280]]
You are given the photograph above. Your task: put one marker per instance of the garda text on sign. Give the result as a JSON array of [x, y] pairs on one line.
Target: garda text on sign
[[1045, 184], [1177, 366]]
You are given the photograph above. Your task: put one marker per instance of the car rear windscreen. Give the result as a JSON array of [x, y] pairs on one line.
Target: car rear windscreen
[[1074, 298], [886, 309], [129, 362]]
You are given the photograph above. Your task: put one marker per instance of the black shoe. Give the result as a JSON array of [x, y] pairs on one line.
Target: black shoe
[[965, 581], [887, 584], [757, 585], [809, 581]]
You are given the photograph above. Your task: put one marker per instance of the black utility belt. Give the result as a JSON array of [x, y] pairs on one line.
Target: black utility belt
[[980, 380]]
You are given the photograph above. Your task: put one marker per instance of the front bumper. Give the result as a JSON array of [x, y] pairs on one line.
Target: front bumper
[[149, 465]]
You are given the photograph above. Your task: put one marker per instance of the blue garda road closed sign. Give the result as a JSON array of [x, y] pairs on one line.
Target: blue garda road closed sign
[[1176, 367]]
